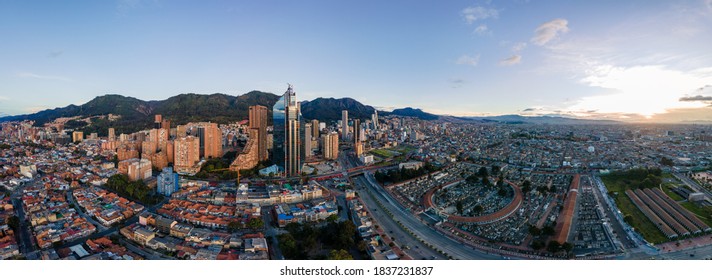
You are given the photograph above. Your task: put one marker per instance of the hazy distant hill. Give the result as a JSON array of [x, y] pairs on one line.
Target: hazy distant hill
[[539, 120], [329, 109], [411, 112]]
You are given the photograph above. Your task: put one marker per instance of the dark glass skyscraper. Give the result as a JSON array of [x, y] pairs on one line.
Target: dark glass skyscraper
[[287, 134]]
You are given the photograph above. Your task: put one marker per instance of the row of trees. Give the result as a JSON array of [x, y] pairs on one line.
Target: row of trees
[[639, 177], [304, 241], [254, 223], [403, 174], [136, 190]]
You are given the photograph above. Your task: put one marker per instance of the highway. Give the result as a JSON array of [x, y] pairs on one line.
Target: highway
[[693, 185], [418, 250], [454, 248]]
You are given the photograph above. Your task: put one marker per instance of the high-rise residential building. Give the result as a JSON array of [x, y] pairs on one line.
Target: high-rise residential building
[[357, 131], [167, 182], [187, 154], [77, 136], [181, 131], [157, 121], [210, 138], [330, 145], [166, 124], [135, 169], [112, 134], [315, 128], [307, 139], [258, 120], [249, 158], [287, 151], [344, 124]]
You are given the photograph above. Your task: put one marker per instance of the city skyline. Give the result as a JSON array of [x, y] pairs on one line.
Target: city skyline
[[635, 61]]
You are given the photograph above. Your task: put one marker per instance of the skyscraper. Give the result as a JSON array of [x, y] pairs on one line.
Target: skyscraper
[[210, 140], [330, 144], [344, 124], [287, 151], [112, 134], [258, 120], [357, 131], [187, 154], [315, 128], [307, 139]]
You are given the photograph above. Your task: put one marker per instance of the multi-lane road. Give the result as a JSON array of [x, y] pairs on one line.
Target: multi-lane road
[[449, 246]]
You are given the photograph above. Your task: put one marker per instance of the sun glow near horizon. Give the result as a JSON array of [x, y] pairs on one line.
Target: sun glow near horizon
[[641, 90]]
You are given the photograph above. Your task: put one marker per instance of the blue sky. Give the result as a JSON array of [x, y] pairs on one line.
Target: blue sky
[[624, 60]]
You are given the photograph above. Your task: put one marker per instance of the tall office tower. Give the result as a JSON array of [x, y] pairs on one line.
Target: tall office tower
[[112, 134], [357, 131], [258, 120], [315, 129], [307, 139], [330, 144], [344, 124], [157, 121], [287, 151], [187, 153]]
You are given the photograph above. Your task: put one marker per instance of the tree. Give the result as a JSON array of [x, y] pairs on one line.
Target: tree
[[628, 219], [234, 226], [526, 186], [288, 246], [482, 172], [535, 231], [548, 230], [340, 255], [458, 205], [495, 169], [537, 244], [255, 223], [567, 246], [553, 246], [478, 208], [14, 223], [332, 218]]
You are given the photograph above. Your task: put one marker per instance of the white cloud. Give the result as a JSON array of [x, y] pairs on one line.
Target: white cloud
[[709, 4], [482, 29], [468, 60], [518, 47], [456, 82], [643, 90], [4, 98], [472, 14], [42, 77], [549, 30], [515, 59]]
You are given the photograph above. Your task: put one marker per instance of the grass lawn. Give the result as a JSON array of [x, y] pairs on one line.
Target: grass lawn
[[382, 153], [626, 206], [702, 212], [667, 188]]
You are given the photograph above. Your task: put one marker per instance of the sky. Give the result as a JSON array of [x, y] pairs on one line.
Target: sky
[[640, 61]]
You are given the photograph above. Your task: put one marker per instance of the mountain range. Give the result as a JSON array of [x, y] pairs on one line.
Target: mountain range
[[136, 114]]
